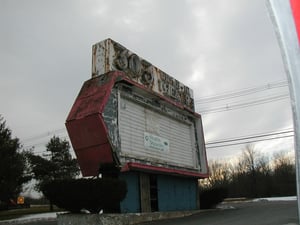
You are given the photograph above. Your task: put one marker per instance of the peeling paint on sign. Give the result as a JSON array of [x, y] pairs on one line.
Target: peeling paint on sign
[[109, 55], [133, 116]]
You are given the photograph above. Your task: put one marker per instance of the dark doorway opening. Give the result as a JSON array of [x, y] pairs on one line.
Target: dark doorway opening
[[153, 193]]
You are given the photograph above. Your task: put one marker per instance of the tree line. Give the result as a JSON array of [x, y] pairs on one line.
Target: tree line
[[19, 166], [254, 175]]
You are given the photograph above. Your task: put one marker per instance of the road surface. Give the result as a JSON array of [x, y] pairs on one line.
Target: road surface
[[246, 213]]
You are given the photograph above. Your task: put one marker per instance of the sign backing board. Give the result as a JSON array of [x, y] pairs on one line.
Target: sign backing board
[[132, 116], [111, 130]]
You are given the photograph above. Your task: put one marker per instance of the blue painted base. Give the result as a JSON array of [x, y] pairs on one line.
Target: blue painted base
[[173, 193], [177, 193], [131, 203]]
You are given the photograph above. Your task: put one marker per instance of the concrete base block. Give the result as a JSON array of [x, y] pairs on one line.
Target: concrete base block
[[118, 219]]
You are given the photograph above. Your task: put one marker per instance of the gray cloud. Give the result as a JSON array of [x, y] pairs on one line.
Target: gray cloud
[[212, 46]]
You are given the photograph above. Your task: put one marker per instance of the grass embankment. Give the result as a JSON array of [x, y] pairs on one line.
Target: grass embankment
[[17, 213]]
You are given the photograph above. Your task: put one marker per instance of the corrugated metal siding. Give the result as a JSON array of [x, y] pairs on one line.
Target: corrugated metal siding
[[134, 121], [131, 203], [176, 193]]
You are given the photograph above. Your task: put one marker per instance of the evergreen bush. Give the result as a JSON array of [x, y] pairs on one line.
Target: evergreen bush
[[211, 197], [90, 194]]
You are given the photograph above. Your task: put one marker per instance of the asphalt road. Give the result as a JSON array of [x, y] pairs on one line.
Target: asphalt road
[[42, 223], [247, 213]]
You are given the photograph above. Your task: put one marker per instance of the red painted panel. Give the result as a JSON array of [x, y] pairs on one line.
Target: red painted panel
[[295, 5], [91, 158], [86, 128], [90, 143], [149, 168], [93, 96], [88, 131]]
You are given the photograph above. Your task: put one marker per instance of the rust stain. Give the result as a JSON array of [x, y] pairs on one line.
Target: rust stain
[[117, 57]]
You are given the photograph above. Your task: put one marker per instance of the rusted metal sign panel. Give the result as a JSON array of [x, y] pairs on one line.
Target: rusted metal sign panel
[[86, 127], [109, 55], [119, 121], [134, 129]]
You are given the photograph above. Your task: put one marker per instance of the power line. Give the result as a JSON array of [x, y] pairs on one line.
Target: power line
[[43, 143], [241, 92], [218, 97], [43, 135], [229, 107], [250, 139], [248, 142]]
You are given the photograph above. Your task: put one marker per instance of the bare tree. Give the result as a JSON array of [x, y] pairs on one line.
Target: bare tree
[[219, 174], [254, 175], [284, 177], [247, 162]]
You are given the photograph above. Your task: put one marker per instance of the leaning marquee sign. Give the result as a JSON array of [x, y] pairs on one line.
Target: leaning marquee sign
[[134, 117]]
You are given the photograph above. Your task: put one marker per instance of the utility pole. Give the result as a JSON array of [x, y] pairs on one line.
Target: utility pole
[[285, 16]]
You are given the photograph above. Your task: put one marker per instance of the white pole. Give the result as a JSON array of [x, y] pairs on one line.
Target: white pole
[[282, 17]]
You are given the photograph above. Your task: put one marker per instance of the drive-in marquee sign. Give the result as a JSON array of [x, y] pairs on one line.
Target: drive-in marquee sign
[[132, 116]]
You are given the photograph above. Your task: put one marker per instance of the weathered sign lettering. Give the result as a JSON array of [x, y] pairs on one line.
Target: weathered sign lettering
[[109, 55]]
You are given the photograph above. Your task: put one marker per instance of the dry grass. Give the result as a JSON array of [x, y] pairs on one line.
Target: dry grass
[[16, 213]]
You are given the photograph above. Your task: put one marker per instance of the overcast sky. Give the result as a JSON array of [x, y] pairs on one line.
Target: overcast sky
[[214, 47]]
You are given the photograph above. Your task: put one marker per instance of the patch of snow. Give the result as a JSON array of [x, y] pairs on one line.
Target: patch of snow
[[287, 198], [39, 215], [225, 207], [32, 217]]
